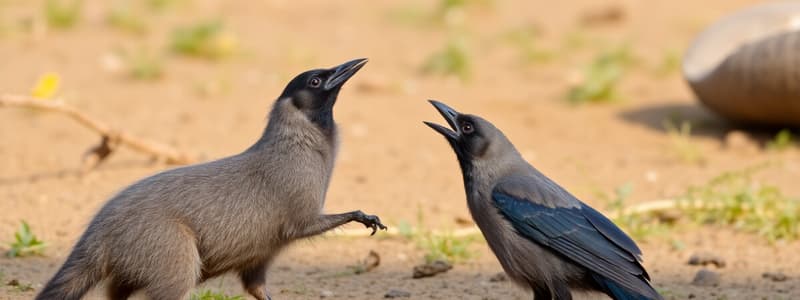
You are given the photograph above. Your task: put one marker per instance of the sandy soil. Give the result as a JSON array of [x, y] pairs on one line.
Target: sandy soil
[[389, 164]]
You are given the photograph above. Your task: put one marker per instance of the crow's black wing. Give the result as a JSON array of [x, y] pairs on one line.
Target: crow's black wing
[[548, 215]]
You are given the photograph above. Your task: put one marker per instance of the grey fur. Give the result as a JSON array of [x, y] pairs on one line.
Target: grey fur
[[168, 232]]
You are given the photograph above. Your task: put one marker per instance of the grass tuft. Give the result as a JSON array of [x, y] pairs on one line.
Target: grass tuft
[[25, 243], [207, 294], [601, 77], [206, 39], [681, 145], [783, 140], [454, 59], [62, 14]]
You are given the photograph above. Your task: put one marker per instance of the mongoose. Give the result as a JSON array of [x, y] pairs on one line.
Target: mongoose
[[173, 230]]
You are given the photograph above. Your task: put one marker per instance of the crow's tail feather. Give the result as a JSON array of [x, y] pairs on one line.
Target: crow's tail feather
[[618, 292]]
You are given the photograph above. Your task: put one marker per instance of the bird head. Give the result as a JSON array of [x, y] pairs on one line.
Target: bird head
[[314, 92], [472, 138]]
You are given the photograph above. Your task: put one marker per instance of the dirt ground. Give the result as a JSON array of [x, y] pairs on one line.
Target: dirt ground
[[389, 163]]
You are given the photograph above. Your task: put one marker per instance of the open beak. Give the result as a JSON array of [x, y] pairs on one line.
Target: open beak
[[343, 72], [449, 115]]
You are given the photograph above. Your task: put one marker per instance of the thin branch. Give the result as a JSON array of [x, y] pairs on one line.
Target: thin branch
[[110, 135]]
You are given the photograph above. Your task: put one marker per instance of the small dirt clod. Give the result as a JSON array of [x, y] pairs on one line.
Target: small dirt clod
[[706, 277], [775, 276], [397, 294], [706, 258], [499, 277], [431, 269]]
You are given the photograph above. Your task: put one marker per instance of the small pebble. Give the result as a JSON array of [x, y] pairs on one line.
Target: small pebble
[[740, 141], [431, 269], [325, 294], [775, 276], [706, 277], [706, 258], [499, 277], [397, 294]]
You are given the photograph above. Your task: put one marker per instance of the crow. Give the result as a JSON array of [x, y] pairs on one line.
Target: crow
[[545, 239]]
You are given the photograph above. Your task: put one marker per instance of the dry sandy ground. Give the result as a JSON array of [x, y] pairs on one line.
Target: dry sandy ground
[[390, 164]]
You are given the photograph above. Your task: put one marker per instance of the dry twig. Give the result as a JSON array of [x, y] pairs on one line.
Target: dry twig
[[110, 137]]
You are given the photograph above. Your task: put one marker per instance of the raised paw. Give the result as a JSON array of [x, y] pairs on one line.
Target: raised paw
[[370, 221]]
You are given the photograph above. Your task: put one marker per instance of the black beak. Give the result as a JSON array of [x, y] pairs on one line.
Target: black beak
[[343, 72], [449, 115]]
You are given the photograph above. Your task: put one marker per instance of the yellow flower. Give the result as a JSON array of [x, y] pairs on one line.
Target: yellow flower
[[47, 86]]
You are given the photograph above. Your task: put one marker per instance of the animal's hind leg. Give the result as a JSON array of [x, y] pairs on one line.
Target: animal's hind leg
[[254, 280], [119, 291], [175, 264]]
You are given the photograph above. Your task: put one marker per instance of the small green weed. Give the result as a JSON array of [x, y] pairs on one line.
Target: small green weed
[[125, 17], [783, 140], [62, 13], [735, 199], [207, 294], [454, 59], [205, 40], [25, 243], [142, 64], [601, 77], [681, 145], [639, 226], [525, 40]]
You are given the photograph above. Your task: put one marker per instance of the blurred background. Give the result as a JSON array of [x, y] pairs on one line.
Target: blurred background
[[591, 92]]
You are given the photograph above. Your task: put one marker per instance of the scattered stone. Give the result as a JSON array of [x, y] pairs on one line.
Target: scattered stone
[[775, 276], [499, 277], [706, 277], [740, 141], [397, 294], [431, 269], [325, 294], [13, 282], [706, 258], [370, 262], [462, 221], [610, 14]]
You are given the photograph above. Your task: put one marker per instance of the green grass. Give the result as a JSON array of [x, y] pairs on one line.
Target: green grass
[[681, 145], [601, 77], [446, 247], [207, 294], [783, 140], [438, 246], [62, 13], [735, 199], [525, 41], [452, 60], [142, 65], [25, 243], [207, 39], [732, 199], [670, 63], [125, 17], [638, 226]]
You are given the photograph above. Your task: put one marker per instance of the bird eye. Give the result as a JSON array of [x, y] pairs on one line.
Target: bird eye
[[467, 128], [315, 82]]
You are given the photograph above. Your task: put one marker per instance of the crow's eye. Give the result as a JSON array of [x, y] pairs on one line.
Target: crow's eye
[[315, 82], [467, 128]]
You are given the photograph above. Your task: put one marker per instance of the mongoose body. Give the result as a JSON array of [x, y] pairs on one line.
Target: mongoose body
[[168, 232]]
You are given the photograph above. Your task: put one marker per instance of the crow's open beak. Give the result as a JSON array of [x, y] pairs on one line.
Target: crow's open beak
[[450, 116], [343, 72]]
